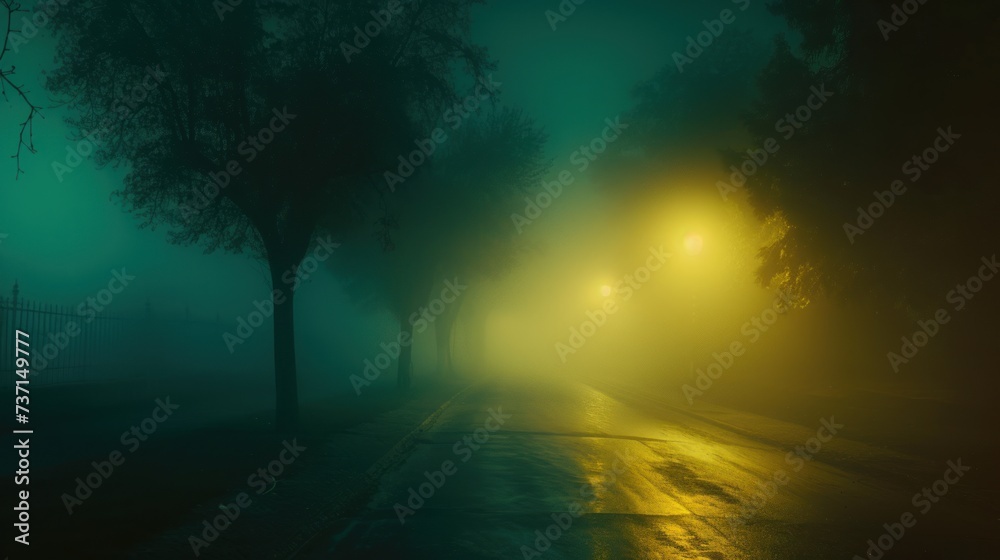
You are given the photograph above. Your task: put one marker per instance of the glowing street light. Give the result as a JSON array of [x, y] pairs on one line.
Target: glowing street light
[[693, 244]]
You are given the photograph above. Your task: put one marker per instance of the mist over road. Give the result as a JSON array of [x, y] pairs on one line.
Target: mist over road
[[577, 472]]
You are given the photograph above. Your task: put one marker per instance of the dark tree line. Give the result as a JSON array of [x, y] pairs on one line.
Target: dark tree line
[[228, 77], [901, 82], [447, 223]]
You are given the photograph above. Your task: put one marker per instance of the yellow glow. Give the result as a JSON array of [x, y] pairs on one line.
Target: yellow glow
[[693, 244], [679, 267]]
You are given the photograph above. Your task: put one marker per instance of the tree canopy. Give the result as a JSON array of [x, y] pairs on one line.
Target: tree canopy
[[262, 119], [902, 85], [450, 218]]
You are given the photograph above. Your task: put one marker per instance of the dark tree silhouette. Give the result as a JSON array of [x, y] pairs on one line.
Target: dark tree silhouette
[[12, 91], [213, 152], [681, 126], [453, 219], [697, 108], [487, 170], [894, 88]]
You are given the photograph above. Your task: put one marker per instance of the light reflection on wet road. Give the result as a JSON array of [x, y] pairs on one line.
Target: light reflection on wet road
[[609, 477]]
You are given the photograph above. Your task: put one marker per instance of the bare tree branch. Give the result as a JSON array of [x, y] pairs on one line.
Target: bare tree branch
[[6, 82]]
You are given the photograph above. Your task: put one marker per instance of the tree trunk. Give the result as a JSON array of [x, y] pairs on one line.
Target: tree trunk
[[444, 327], [285, 383], [476, 354], [442, 334], [403, 373]]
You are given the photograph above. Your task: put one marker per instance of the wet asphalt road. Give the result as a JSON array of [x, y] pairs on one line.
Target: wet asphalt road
[[536, 469]]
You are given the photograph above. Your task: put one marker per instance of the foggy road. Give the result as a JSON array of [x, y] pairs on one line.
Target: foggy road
[[565, 470], [474, 279]]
